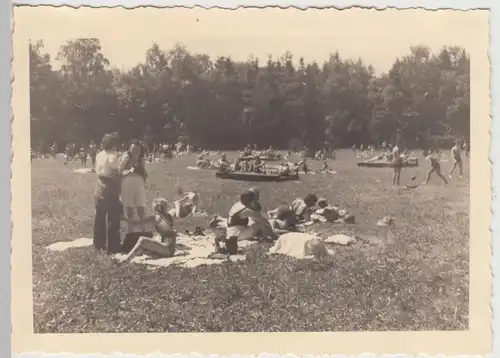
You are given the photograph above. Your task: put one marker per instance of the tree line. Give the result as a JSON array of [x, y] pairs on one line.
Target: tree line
[[220, 103]]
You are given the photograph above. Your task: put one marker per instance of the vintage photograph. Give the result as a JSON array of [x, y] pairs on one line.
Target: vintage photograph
[[315, 179]]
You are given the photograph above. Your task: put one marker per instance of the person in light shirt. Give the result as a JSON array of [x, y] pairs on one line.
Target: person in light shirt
[[108, 209]]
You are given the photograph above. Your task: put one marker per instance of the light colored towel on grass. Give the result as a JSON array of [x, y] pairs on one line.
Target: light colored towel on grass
[[192, 168], [340, 239], [198, 248], [64, 245], [83, 170], [300, 246]]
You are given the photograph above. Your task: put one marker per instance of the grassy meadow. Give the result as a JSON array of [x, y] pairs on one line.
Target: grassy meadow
[[418, 281]]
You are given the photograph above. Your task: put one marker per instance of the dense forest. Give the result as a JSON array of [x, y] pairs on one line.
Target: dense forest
[[219, 103]]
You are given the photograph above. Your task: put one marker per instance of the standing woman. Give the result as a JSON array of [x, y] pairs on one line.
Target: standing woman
[[134, 176], [107, 196], [397, 163]]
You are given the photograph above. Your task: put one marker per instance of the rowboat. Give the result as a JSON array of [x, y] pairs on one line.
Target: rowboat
[[407, 163], [246, 176]]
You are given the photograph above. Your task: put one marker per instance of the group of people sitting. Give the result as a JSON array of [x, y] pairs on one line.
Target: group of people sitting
[[255, 165], [245, 221]]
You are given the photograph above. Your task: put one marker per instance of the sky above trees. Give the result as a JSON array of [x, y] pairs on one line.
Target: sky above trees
[[219, 103], [378, 37]]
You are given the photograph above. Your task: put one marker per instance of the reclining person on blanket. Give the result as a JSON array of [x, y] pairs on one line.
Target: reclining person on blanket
[[163, 242], [239, 224], [186, 204], [286, 217], [331, 213], [325, 212]]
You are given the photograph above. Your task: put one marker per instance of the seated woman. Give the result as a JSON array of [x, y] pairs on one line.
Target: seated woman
[[239, 225], [186, 204], [163, 243]]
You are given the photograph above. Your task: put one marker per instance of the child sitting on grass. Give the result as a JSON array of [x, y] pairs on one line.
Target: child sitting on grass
[[163, 242]]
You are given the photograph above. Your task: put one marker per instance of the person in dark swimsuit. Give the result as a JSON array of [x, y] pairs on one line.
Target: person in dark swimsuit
[[163, 243]]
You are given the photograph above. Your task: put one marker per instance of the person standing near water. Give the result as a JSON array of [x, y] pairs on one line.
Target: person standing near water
[[108, 208]]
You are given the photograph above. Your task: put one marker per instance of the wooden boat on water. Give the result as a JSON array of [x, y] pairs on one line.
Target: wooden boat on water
[[411, 162], [250, 176]]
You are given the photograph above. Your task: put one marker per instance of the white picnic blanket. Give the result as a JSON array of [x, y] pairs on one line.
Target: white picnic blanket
[[83, 170], [300, 246], [64, 245], [193, 252], [340, 239]]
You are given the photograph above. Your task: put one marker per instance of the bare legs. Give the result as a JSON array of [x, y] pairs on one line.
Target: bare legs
[[397, 175], [438, 173], [150, 245], [141, 212], [455, 165]]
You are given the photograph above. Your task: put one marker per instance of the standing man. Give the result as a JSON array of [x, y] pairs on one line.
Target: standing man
[[457, 160], [92, 153], [108, 209]]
